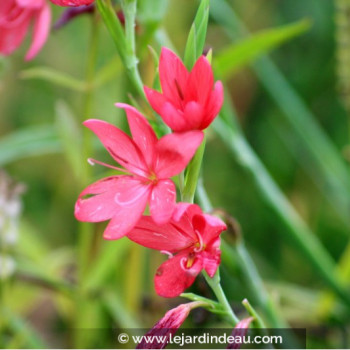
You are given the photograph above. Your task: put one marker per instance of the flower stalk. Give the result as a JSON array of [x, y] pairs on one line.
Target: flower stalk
[[215, 285], [131, 61]]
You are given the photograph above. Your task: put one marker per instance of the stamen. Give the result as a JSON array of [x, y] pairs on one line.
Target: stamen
[[200, 241], [170, 255], [94, 162], [183, 261], [139, 170]]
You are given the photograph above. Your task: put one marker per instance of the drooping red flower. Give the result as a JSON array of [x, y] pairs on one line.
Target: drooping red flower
[[149, 163], [72, 3], [194, 239], [73, 12], [189, 100], [16, 17], [158, 336], [239, 332]]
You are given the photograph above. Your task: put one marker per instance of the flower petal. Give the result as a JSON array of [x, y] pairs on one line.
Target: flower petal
[[193, 115], [214, 104], [121, 147], [162, 202], [200, 82], [211, 257], [172, 278], [131, 200], [209, 226], [174, 151], [142, 133], [170, 237], [72, 2], [173, 117], [173, 76], [31, 3], [166, 326], [13, 32], [41, 31], [155, 99], [101, 206]]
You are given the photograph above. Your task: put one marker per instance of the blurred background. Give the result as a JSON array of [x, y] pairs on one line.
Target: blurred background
[[291, 107]]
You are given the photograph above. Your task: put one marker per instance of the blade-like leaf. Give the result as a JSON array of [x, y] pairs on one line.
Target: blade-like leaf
[[319, 151], [32, 141], [230, 59], [70, 135], [54, 77], [196, 38]]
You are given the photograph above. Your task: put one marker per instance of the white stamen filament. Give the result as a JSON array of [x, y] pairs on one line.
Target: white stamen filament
[[201, 243], [94, 162], [170, 255], [183, 261]]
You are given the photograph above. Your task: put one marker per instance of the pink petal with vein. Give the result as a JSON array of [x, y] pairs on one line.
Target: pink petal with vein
[[160, 237], [142, 133], [120, 146]]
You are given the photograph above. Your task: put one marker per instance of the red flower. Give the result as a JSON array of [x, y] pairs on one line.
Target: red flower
[[158, 336], [189, 101], [192, 236], [15, 19], [72, 3], [149, 164], [239, 332]]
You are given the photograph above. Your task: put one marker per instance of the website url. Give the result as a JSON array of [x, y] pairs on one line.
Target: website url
[[205, 338]]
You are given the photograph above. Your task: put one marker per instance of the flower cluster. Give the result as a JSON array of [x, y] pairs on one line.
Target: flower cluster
[[188, 104]]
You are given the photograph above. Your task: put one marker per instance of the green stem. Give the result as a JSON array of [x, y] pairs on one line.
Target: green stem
[[246, 263], [257, 287], [192, 174], [215, 285], [85, 234], [297, 231], [259, 323], [131, 60]]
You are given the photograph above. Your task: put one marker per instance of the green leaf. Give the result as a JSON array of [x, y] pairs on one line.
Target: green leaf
[[24, 336], [298, 232], [109, 72], [33, 141], [70, 136], [196, 38], [320, 153], [111, 255], [232, 58], [120, 314], [54, 77]]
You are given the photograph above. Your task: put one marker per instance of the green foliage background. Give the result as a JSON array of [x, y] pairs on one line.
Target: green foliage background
[[40, 145]]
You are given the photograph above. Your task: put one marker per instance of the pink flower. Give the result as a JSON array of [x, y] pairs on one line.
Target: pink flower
[[72, 3], [194, 239], [148, 163], [158, 336], [189, 101], [15, 19]]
